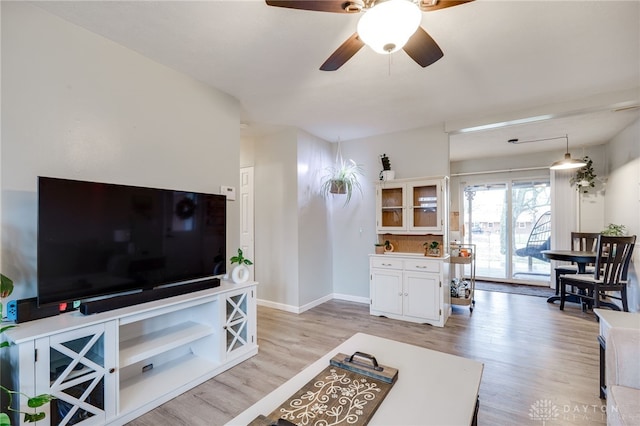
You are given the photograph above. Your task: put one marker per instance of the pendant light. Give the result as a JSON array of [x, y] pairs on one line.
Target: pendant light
[[388, 26], [567, 163]]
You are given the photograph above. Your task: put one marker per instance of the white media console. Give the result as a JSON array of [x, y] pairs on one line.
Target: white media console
[[111, 367]]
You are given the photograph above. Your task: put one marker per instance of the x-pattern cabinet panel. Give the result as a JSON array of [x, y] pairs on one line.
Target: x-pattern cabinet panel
[[77, 367]]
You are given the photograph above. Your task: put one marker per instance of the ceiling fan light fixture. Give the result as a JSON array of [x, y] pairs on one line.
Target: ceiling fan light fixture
[[387, 26], [567, 163]]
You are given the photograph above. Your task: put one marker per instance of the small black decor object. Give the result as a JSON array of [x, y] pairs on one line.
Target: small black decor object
[[386, 164]]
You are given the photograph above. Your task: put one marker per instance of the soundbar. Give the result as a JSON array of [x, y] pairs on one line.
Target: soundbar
[[116, 302]]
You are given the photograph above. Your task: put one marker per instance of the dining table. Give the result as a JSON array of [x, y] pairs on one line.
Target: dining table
[[580, 258]]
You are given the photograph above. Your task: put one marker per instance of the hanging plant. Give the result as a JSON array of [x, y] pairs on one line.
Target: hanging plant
[[585, 177], [342, 178]]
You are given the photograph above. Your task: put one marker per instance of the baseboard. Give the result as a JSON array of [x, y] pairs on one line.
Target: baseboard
[[315, 303], [306, 307], [350, 298], [279, 306]]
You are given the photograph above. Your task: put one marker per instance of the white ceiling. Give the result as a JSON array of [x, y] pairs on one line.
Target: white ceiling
[[501, 59]]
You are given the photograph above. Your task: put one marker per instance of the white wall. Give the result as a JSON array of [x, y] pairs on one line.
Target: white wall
[[314, 221], [623, 196], [76, 105], [293, 239], [415, 153], [276, 219]]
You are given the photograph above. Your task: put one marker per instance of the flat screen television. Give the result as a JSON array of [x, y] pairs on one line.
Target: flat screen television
[[97, 239]]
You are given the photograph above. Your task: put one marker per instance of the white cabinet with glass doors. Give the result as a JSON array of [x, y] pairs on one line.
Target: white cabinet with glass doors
[[410, 206]]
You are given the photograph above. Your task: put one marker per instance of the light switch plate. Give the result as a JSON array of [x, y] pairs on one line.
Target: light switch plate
[[229, 191]]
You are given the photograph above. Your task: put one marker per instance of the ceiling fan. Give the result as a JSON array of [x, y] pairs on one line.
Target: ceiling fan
[[386, 26]]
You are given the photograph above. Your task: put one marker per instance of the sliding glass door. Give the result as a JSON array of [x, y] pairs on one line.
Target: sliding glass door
[[531, 230], [499, 218]]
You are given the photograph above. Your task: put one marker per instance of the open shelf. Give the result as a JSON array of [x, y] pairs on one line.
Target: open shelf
[[151, 385], [463, 301], [465, 260], [460, 260], [144, 347]]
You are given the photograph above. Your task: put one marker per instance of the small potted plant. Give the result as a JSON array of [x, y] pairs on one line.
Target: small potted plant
[[379, 248], [432, 248], [240, 273], [613, 230]]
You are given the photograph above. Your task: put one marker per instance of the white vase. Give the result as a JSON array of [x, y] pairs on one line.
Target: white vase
[[388, 175], [240, 274]]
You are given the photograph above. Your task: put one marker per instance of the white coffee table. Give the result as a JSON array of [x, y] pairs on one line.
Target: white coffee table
[[433, 388]]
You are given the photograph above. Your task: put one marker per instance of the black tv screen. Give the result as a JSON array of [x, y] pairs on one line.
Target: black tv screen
[[97, 239]]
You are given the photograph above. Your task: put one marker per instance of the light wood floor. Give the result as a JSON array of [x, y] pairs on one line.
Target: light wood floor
[[532, 353]]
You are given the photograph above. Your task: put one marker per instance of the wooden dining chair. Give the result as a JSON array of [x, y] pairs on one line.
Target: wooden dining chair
[[580, 241], [609, 275]]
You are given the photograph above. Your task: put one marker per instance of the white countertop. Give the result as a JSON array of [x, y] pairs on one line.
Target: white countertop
[[408, 254]]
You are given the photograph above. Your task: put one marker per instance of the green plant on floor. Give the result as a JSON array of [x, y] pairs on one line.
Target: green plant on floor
[[35, 402], [613, 230]]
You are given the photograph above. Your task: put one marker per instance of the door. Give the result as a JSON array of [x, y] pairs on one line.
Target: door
[[498, 218], [238, 331], [386, 291], [530, 229], [77, 367], [425, 212], [391, 212], [247, 230], [422, 295]]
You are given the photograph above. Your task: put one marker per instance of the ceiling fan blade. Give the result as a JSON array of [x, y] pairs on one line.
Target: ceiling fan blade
[[429, 5], [343, 53], [336, 6], [422, 48]]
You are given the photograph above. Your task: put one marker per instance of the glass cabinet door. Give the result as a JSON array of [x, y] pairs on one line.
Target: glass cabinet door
[[77, 376], [237, 331], [425, 207], [391, 208]]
